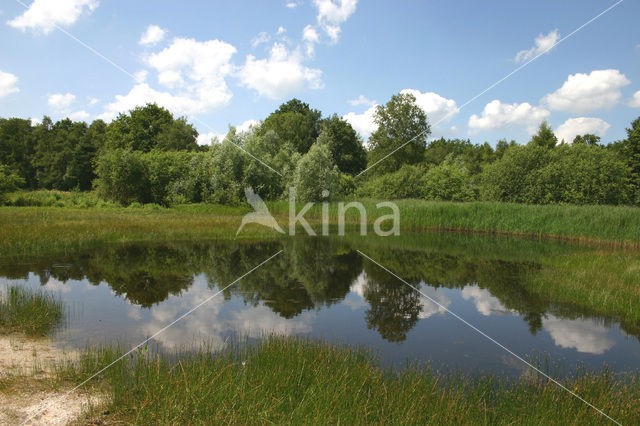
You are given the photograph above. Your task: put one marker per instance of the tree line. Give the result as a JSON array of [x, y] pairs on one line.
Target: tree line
[[149, 156]]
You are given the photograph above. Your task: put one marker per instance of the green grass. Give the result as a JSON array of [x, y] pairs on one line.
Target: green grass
[[34, 313], [293, 381], [49, 230]]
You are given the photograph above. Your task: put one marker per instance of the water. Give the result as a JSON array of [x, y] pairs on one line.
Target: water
[[324, 288]]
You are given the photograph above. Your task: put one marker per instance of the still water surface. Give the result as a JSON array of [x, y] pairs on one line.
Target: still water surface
[[324, 288]]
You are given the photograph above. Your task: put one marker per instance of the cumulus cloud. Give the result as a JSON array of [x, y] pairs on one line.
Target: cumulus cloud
[[363, 123], [361, 100], [291, 4], [81, 115], [581, 126], [497, 115], [634, 102], [45, 15], [194, 72], [213, 137], [61, 101], [437, 108], [484, 302], [582, 93], [142, 94], [8, 84], [332, 14], [279, 75], [584, 335], [543, 44], [152, 35]]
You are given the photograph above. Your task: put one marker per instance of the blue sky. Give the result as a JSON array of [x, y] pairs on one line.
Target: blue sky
[[226, 63]]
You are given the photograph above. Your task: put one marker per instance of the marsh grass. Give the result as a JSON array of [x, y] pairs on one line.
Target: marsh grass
[[294, 380], [34, 313]]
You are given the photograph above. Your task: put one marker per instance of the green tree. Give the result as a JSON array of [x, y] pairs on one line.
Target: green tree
[[295, 123], [17, 148], [587, 139], [315, 173], [150, 127], [122, 176], [400, 122], [344, 144], [9, 181], [56, 144], [545, 137], [448, 181]]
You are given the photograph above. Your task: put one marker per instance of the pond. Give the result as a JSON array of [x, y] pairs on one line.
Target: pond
[[324, 288]]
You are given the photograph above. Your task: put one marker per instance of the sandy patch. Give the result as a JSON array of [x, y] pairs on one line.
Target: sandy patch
[[26, 364]]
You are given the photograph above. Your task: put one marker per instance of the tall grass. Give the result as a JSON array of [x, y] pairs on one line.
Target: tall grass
[[34, 313], [292, 380]]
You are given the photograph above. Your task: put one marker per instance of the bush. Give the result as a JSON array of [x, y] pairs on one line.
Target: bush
[[315, 173], [579, 174], [448, 182], [9, 181], [405, 183]]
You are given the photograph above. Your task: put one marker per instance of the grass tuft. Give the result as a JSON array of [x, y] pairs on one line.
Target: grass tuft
[[34, 313]]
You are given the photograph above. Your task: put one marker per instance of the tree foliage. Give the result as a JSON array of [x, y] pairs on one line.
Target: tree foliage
[[400, 122]]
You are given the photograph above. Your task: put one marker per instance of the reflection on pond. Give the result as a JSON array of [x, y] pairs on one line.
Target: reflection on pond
[[322, 287]]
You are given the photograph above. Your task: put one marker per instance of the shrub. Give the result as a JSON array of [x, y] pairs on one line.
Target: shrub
[[448, 182], [315, 173]]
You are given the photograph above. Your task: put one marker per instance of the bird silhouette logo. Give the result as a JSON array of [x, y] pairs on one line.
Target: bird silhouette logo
[[261, 214]]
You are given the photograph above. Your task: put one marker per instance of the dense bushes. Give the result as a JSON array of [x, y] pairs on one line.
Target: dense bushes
[[579, 174]]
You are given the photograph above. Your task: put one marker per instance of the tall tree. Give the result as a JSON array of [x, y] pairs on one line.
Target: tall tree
[[17, 148], [148, 127], [401, 121], [295, 123], [344, 144], [545, 137]]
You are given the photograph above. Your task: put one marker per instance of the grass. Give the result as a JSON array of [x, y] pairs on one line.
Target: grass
[[34, 313], [292, 380], [50, 230]]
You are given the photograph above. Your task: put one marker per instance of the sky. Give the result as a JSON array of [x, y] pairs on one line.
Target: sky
[[232, 63]]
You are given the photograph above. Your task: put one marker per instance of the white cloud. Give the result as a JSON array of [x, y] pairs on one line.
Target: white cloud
[[437, 108], [141, 76], [60, 102], [261, 38], [152, 35], [291, 5], [585, 335], [246, 125], [310, 37], [45, 15], [484, 302], [194, 72], [581, 126], [497, 115], [93, 101], [361, 100], [363, 123], [208, 138], [279, 75], [281, 31], [332, 14], [81, 115], [634, 102], [142, 93], [429, 306], [8, 84], [543, 44], [35, 121], [582, 93]]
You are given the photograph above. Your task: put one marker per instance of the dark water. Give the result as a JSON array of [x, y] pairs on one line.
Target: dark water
[[324, 288]]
